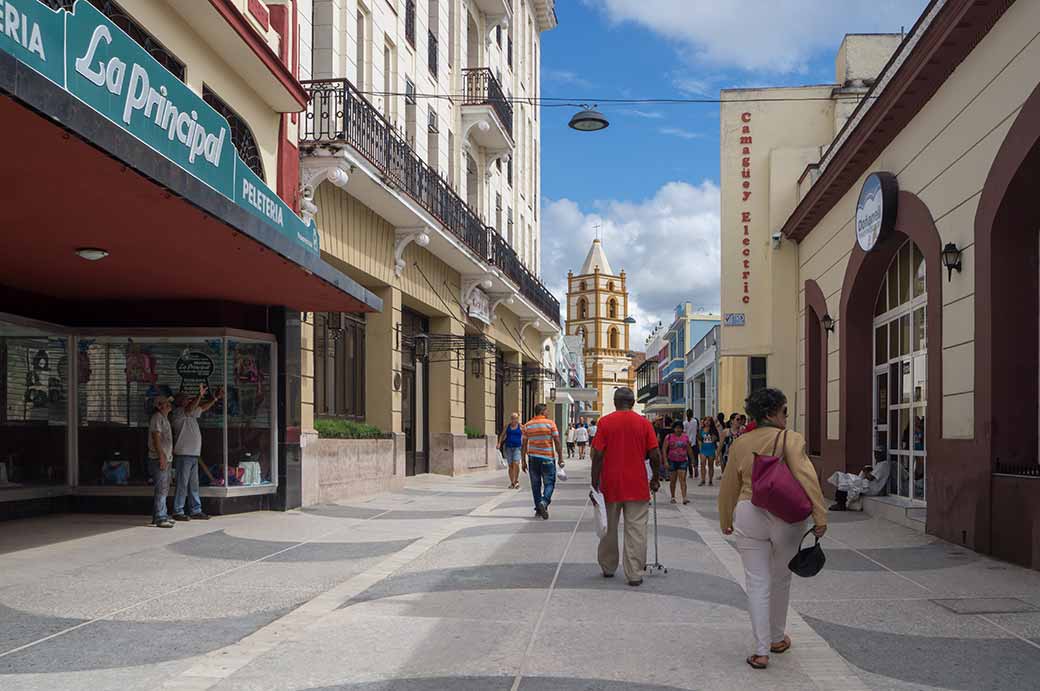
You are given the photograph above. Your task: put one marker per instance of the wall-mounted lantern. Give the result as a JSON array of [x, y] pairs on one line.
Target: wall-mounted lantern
[[951, 259]]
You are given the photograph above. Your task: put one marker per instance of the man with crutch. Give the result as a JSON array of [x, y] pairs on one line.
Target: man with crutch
[[623, 441]]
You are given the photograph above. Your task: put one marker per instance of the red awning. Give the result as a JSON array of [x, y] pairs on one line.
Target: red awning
[[60, 194]]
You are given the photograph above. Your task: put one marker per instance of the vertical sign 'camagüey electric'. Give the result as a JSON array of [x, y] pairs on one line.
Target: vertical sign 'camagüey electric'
[[90, 57]]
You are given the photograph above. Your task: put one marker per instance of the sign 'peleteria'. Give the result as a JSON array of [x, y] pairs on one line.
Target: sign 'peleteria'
[[95, 61]]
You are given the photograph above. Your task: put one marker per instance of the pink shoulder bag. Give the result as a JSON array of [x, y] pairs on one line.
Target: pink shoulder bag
[[775, 488]]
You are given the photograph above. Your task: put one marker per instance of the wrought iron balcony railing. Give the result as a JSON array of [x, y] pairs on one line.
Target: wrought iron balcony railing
[[337, 112], [482, 88]]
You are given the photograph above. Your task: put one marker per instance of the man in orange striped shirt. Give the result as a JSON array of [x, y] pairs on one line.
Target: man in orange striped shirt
[[541, 440]]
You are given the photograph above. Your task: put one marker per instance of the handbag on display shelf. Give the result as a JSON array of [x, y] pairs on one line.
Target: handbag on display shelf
[[775, 488]]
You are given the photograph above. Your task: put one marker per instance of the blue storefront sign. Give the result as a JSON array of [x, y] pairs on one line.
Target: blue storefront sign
[[95, 61]]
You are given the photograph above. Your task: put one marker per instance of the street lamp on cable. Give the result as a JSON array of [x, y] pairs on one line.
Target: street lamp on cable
[[588, 120]]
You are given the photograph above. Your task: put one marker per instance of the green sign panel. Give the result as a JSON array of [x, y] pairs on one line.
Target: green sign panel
[[91, 58]]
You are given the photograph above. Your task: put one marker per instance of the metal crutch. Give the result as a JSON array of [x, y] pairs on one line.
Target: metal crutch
[[656, 566]]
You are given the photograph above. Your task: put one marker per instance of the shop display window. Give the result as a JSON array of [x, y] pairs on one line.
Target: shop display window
[[123, 375], [34, 390]]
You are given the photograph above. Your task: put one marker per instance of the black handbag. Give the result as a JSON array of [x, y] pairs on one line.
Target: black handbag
[[810, 560]]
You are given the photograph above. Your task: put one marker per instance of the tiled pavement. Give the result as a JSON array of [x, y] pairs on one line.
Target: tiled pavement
[[451, 584]]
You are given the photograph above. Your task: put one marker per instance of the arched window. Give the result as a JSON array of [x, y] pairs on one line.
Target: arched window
[[583, 308], [614, 338], [582, 287], [610, 286], [901, 372], [612, 308], [241, 136], [581, 332]]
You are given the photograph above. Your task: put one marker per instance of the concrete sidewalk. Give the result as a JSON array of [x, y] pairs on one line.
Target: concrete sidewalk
[[452, 584]]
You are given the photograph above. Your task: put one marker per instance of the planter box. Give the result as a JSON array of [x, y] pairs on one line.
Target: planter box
[[454, 454], [337, 469]]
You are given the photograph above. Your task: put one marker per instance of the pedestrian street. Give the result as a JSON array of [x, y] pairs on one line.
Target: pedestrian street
[[455, 584]]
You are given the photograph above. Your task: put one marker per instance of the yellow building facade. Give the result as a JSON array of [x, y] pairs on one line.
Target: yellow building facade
[[597, 310]]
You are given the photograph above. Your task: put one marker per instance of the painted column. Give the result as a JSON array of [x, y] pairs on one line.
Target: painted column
[[383, 362]]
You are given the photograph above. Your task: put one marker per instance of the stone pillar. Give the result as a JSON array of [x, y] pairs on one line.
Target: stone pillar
[[383, 362], [514, 392], [285, 325], [447, 403], [480, 394]]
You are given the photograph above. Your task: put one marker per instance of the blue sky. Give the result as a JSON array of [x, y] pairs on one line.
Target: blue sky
[[651, 179]]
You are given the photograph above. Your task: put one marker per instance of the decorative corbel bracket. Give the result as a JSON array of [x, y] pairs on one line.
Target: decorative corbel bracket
[[524, 323], [506, 298], [402, 238], [316, 168], [472, 282], [479, 123], [498, 154]]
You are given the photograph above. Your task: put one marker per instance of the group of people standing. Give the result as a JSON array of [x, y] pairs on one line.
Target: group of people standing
[[175, 445], [707, 439]]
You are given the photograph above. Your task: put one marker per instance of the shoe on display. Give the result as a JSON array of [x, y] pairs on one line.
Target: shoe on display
[[180, 517], [199, 517]]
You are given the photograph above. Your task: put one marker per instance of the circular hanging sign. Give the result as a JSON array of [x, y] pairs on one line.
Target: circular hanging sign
[[876, 209]]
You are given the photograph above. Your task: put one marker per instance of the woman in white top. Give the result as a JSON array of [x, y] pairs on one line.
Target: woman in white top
[[581, 437]]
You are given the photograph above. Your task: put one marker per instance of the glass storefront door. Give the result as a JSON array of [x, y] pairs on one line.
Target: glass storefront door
[[900, 374]]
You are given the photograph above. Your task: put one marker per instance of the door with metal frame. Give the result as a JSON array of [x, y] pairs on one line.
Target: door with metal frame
[[415, 409]]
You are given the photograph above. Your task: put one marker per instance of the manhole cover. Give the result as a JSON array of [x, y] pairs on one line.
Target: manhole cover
[[986, 605]]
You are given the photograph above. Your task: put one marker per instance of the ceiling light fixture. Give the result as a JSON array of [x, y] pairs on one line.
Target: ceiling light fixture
[[92, 254]]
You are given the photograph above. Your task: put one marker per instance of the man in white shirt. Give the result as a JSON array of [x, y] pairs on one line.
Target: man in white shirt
[[187, 448], [160, 458], [691, 428], [592, 431]]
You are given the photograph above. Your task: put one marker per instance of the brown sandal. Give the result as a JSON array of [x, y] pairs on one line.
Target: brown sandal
[[782, 647], [751, 660]]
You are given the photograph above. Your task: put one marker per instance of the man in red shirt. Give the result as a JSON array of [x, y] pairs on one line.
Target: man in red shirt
[[623, 442]]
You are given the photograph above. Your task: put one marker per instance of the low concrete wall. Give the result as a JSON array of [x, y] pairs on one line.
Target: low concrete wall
[[454, 454], [1016, 519], [337, 469]]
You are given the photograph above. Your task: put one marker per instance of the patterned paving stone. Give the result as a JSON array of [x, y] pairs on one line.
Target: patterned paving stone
[[999, 664], [220, 545]]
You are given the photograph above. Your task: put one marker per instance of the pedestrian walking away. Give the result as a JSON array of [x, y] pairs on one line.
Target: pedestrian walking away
[[541, 449], [691, 428], [581, 438], [510, 443], [593, 427], [160, 458], [709, 441], [570, 440], [187, 450], [624, 440], [678, 452], [766, 542]]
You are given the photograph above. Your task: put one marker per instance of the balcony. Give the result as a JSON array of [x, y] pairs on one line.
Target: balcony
[[487, 116], [338, 116], [496, 10]]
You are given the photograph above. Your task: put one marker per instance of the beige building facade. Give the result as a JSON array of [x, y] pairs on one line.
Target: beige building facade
[[909, 254], [431, 203], [597, 310]]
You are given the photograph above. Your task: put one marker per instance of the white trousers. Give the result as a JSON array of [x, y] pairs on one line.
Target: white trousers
[[766, 545]]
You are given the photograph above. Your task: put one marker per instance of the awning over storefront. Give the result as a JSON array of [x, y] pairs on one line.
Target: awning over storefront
[[168, 235]]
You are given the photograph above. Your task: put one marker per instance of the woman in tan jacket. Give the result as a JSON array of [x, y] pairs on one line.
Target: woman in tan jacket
[[767, 543]]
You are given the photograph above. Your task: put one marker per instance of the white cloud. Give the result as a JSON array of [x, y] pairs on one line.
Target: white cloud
[[668, 245], [679, 132], [565, 77], [648, 114], [776, 36]]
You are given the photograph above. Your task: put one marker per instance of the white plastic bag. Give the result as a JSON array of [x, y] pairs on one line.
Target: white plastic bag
[[599, 508], [502, 465], [561, 474]]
